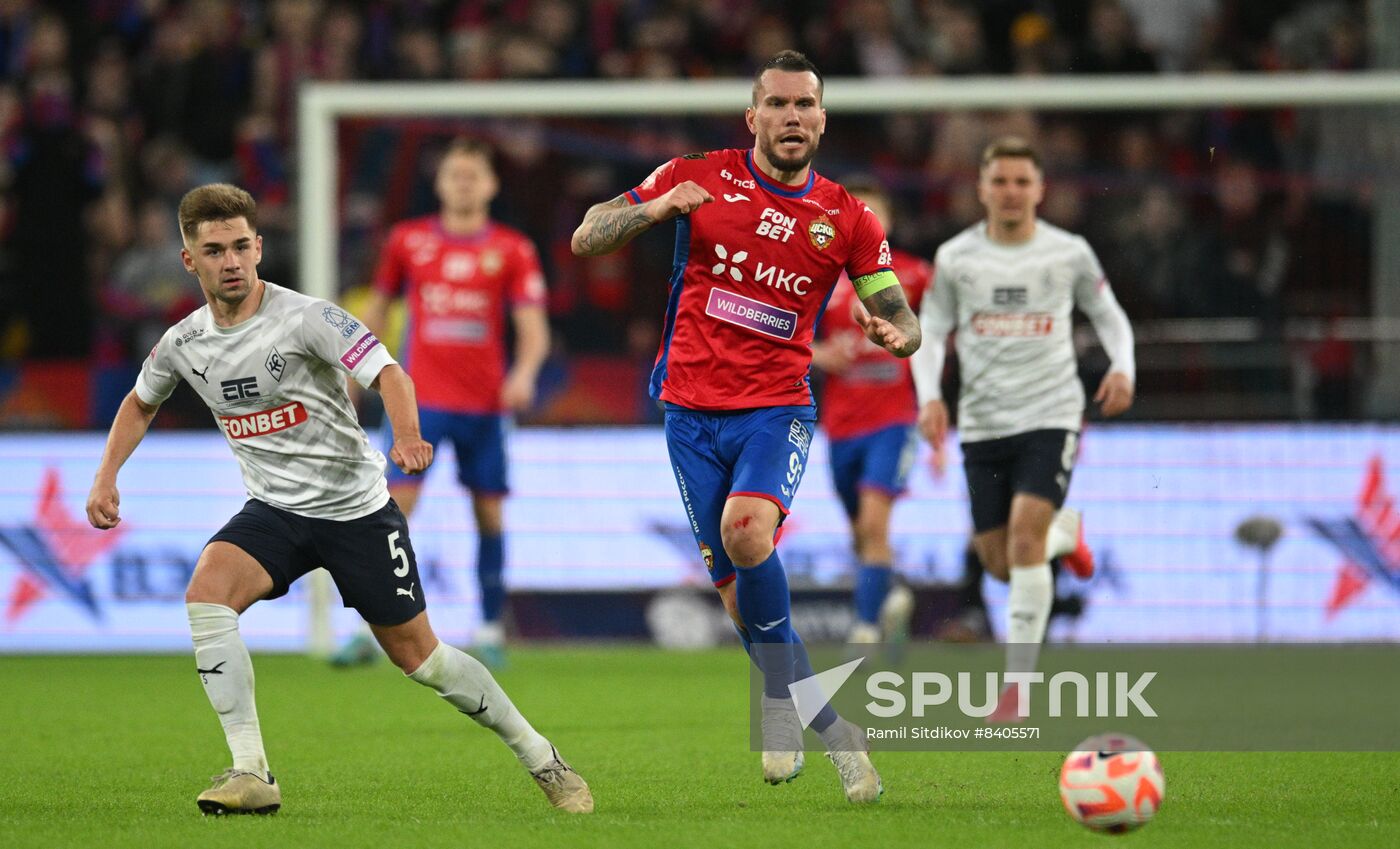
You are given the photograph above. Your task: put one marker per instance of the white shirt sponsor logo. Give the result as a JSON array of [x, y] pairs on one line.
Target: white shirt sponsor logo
[[1013, 324], [743, 184], [261, 424]]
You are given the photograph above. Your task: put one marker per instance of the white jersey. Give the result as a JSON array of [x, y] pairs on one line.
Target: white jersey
[[1012, 305], [276, 385]]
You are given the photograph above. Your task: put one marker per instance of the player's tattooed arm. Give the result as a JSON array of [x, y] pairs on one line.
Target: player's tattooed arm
[[610, 225], [891, 324]]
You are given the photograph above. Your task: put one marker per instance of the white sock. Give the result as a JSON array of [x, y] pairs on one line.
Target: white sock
[[468, 686], [1027, 613], [226, 670], [1058, 541], [491, 634]]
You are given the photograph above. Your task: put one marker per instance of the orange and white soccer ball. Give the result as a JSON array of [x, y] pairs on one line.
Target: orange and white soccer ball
[[1112, 783]]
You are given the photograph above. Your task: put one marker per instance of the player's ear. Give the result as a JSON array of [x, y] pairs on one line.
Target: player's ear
[[257, 249], [748, 118], [821, 128], [188, 260]]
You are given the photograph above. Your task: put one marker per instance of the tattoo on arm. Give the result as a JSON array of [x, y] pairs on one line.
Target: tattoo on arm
[[610, 225], [890, 305]]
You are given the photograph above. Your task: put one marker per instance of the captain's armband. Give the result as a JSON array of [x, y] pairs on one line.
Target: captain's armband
[[868, 284]]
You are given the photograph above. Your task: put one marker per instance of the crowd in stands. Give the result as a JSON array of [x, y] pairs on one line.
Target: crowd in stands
[[111, 109]]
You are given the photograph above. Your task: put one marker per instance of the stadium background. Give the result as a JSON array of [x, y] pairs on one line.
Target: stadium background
[[1251, 247]]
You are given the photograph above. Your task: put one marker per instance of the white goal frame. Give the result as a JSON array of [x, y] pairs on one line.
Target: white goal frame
[[321, 105]]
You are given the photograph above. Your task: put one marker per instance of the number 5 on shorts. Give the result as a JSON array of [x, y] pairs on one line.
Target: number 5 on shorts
[[395, 552], [1071, 448]]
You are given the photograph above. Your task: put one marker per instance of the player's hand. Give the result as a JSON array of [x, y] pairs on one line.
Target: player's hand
[[834, 355], [938, 462], [518, 391], [681, 200], [880, 331], [1115, 394], [933, 424], [413, 456], [103, 506]]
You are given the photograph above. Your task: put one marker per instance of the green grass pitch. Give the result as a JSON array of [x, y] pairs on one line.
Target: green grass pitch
[[111, 751]]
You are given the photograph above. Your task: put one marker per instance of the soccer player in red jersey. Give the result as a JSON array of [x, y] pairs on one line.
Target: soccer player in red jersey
[[461, 274], [761, 241], [868, 410]]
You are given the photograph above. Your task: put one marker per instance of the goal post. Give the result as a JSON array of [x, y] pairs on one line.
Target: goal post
[[322, 105]]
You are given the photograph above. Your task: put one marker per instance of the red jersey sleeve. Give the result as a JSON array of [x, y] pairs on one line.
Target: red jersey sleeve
[[390, 272], [526, 287], [915, 275], [870, 250], [658, 183]]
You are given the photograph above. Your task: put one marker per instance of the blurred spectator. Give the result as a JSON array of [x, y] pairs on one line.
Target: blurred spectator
[[1112, 46], [1244, 257], [55, 176], [1181, 33], [149, 289], [110, 111]]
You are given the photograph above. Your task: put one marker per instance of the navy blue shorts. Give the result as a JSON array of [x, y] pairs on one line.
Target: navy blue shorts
[[370, 558], [478, 442], [880, 460], [1038, 462], [760, 453]]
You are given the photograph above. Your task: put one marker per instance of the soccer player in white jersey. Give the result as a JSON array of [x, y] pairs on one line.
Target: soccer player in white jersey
[[271, 363], [1008, 286]]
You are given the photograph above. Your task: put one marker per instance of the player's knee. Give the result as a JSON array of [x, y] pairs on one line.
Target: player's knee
[[207, 586], [994, 562], [747, 545], [1026, 549], [871, 538], [406, 658], [409, 644]]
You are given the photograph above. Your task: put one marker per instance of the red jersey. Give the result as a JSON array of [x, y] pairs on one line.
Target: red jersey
[[877, 389], [752, 273], [458, 291]]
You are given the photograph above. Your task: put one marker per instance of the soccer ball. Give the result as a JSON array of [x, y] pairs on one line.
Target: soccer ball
[[1112, 783]]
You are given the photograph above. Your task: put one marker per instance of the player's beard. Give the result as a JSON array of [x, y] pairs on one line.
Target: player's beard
[[789, 164]]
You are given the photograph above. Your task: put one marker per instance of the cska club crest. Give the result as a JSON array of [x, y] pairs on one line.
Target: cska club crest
[[709, 555], [821, 232]]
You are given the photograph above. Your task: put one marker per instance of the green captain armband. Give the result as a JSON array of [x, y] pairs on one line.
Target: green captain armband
[[868, 284]]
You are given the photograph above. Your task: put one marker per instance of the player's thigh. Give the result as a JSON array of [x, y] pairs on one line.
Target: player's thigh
[[989, 465], [257, 554], [704, 481], [433, 425], [479, 441], [372, 562]]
